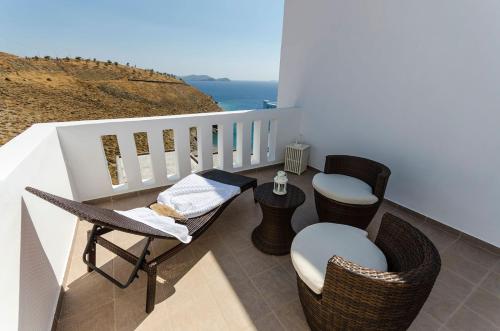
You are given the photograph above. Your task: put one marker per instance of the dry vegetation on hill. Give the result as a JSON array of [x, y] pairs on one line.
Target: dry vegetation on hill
[[37, 90]]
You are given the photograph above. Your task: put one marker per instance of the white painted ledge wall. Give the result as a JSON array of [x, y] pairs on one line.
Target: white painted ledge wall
[[35, 237]]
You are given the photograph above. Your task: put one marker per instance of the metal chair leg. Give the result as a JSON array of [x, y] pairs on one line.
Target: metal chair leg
[[151, 289], [87, 253], [92, 250]]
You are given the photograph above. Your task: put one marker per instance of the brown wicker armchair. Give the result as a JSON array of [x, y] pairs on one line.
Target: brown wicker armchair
[[373, 173], [357, 298]]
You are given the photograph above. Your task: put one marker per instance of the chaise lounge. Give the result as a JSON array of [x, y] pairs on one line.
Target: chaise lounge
[[106, 220]]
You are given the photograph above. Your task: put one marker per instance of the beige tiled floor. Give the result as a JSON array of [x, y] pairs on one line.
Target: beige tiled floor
[[221, 282]]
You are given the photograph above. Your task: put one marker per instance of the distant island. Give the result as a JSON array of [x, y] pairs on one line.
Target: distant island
[[203, 78]]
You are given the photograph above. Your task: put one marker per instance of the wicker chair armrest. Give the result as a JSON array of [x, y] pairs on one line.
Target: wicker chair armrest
[[350, 290], [340, 263]]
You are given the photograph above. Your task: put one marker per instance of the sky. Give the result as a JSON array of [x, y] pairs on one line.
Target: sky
[[238, 39]]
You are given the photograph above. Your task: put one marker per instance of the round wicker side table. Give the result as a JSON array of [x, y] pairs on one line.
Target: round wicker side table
[[274, 234]]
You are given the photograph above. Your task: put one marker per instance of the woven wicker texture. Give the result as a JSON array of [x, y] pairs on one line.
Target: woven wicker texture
[[373, 173], [274, 234], [109, 219], [357, 298]]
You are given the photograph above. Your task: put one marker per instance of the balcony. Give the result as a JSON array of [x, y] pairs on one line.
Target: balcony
[[221, 281], [413, 85]]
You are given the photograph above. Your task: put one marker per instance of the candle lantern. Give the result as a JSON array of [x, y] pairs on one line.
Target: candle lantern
[[280, 183]]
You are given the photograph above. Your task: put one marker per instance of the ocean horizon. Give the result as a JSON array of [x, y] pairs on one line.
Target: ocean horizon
[[239, 94]]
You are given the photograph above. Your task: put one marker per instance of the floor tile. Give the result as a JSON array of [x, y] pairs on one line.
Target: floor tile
[[474, 253], [469, 270], [497, 267], [130, 311], [234, 286], [453, 284], [98, 318], [485, 304], [286, 262], [492, 283], [254, 261], [441, 304], [85, 293], [276, 286], [467, 320], [240, 302], [424, 322], [442, 239], [268, 322], [291, 316], [481, 244]]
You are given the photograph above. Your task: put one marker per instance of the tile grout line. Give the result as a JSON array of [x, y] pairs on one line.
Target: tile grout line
[[449, 245], [432, 318], [462, 303], [233, 254], [256, 287], [474, 287]]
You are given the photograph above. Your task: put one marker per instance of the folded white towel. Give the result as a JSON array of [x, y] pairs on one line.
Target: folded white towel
[[195, 195], [159, 222]]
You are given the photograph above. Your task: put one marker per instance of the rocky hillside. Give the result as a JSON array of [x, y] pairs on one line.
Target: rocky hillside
[[36, 90]]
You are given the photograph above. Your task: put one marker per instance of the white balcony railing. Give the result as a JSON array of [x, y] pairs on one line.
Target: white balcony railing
[[68, 159], [86, 162]]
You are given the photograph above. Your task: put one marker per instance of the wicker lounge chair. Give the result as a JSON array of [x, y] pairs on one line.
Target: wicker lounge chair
[[357, 298], [375, 174], [106, 220]]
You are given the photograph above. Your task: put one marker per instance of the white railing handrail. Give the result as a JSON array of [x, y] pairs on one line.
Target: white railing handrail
[[192, 117], [81, 142], [19, 148]]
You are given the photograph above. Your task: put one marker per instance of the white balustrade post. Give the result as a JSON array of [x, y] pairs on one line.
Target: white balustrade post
[[273, 132], [182, 150], [157, 153], [205, 146], [128, 152], [225, 140], [246, 143]]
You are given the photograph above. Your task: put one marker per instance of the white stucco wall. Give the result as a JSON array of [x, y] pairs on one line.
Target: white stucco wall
[[413, 84], [35, 237]]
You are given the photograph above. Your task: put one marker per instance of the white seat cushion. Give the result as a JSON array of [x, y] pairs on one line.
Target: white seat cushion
[[344, 189], [318, 243]]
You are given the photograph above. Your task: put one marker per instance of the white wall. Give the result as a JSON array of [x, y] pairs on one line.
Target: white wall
[[413, 84], [35, 237]]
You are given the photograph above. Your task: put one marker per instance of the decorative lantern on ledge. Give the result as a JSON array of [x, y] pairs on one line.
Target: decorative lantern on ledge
[[280, 183]]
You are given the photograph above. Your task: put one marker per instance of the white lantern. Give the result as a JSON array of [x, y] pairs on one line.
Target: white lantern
[[280, 183]]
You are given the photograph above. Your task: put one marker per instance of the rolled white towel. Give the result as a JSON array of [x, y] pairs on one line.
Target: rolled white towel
[[195, 195]]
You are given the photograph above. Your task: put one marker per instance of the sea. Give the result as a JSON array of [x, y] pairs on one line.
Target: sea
[[239, 94]]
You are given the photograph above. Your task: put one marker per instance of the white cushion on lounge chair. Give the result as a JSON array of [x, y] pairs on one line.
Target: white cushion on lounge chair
[[159, 222], [344, 189], [194, 195], [315, 245]]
